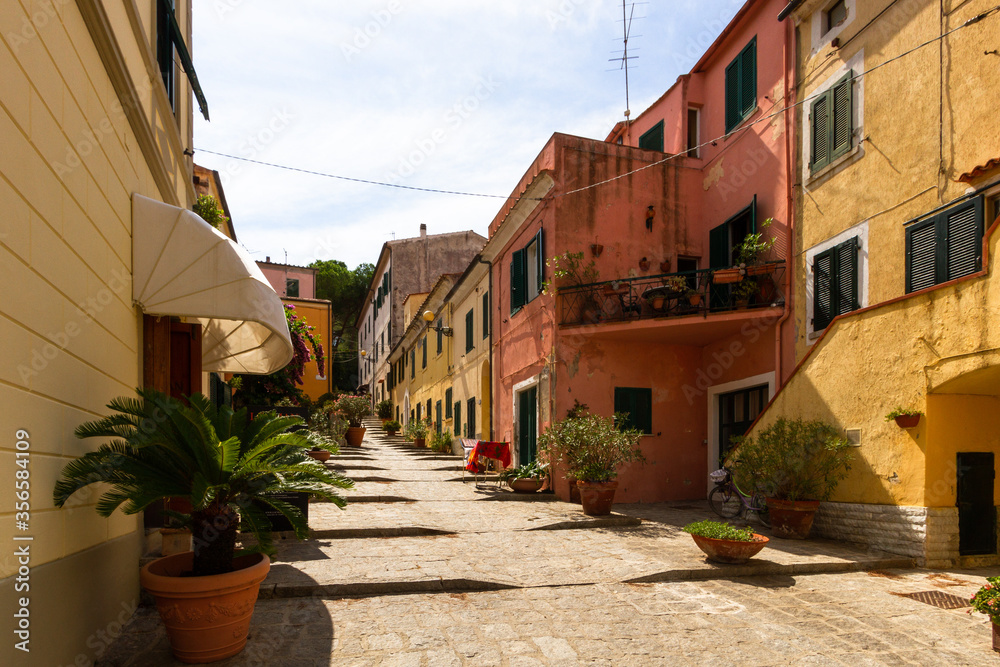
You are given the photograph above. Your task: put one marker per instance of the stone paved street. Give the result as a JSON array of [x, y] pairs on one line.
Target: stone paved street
[[423, 569]]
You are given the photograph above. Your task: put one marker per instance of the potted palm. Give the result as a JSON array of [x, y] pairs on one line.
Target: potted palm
[[592, 448], [227, 467], [797, 464], [354, 409], [724, 543]]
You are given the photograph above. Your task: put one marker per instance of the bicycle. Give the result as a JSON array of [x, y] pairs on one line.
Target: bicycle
[[729, 501]]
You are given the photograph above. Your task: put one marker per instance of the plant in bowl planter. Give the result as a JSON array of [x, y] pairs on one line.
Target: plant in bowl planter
[[354, 409], [592, 448], [226, 466], [724, 543], [527, 478], [384, 410], [987, 601], [796, 464], [904, 417], [391, 426], [417, 431]]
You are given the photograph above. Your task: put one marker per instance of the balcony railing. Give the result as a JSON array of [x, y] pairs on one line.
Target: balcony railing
[[701, 292]]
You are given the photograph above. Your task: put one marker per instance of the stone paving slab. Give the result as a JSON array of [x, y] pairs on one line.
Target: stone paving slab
[[844, 620]]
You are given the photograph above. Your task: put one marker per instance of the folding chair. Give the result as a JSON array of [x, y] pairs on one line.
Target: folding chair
[[467, 446]]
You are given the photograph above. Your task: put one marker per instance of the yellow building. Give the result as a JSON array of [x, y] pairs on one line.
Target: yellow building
[[899, 169], [99, 261], [471, 398]]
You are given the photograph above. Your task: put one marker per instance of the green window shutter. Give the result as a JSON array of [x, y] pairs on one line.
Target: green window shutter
[[424, 351], [748, 78], [518, 278], [437, 417], [540, 259], [822, 289], [428, 413], [964, 238], [921, 254], [637, 403], [447, 403], [820, 124], [469, 322], [652, 139], [440, 335], [841, 121], [413, 362], [846, 278], [486, 315], [458, 417], [718, 247], [732, 94]]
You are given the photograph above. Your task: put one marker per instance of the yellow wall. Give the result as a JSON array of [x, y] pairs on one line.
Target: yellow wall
[[471, 374], [958, 423], [317, 314]]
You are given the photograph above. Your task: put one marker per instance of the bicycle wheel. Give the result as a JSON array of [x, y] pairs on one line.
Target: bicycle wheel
[[724, 502], [759, 506]]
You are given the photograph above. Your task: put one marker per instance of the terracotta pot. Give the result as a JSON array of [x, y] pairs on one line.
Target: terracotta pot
[[644, 265], [760, 269], [525, 485], [657, 302], [320, 455], [695, 299], [792, 519], [391, 431], [354, 435], [597, 497], [723, 276], [597, 249], [420, 442], [574, 491], [207, 618], [665, 266], [996, 637], [907, 421], [730, 551]]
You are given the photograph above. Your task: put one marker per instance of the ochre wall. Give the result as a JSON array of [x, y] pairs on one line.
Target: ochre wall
[[317, 314]]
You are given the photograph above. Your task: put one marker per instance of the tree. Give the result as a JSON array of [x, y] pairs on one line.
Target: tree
[[346, 290]]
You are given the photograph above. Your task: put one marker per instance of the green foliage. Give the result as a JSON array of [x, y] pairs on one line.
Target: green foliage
[[325, 421], [207, 207], [532, 470], [717, 530], [987, 599], [592, 447], [346, 290], [899, 411], [754, 246], [392, 425], [569, 268], [384, 409], [441, 442], [225, 464], [793, 460], [417, 428], [353, 408]]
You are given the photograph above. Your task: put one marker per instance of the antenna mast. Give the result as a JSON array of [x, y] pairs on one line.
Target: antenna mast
[[628, 13]]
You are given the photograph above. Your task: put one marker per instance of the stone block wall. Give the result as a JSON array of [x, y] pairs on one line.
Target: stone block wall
[[929, 534]]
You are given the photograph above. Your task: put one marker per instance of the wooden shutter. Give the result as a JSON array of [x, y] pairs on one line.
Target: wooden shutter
[[458, 417], [518, 278], [447, 403], [921, 252], [820, 132], [748, 78], [964, 238], [841, 121], [652, 139], [637, 403], [718, 247], [845, 278], [540, 260], [424, 362], [822, 293], [469, 344], [732, 94], [486, 314]]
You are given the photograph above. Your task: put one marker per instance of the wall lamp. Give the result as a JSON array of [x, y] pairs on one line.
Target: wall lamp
[[429, 317]]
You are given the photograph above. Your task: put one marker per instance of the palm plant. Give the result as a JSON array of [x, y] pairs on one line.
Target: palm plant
[[226, 465]]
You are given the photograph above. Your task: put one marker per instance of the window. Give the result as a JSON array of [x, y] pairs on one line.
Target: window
[[418, 411], [469, 323], [945, 246], [737, 412], [165, 46], [741, 86], [693, 133], [413, 362], [689, 266], [652, 139], [470, 417], [637, 403], [428, 408], [440, 335], [447, 403], [835, 282], [423, 344], [831, 123], [437, 417], [291, 287], [486, 315], [458, 417], [527, 272], [835, 15]]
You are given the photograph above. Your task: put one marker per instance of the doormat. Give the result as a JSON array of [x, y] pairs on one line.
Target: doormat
[[937, 599]]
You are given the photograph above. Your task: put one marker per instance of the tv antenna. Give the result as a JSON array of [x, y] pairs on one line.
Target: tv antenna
[[628, 14]]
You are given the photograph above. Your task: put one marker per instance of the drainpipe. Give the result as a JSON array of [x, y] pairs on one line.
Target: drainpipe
[[790, 56], [487, 262]]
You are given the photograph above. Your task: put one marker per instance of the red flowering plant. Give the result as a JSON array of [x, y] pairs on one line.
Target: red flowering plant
[[987, 599], [283, 384]]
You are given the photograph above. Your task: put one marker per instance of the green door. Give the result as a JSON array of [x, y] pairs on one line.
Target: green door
[[527, 425]]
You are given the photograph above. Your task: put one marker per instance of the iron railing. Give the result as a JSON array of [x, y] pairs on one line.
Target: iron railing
[[701, 292]]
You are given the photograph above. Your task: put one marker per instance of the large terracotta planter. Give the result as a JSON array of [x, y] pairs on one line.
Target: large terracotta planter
[[525, 485], [419, 442], [597, 497], [792, 519], [354, 435], [320, 455], [207, 618], [730, 551], [996, 637]]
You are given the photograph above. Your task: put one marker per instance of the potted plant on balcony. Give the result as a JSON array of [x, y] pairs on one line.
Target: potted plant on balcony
[[904, 417], [592, 448], [724, 543], [227, 467], [354, 409], [384, 410], [391, 426], [570, 271], [527, 478], [797, 464]]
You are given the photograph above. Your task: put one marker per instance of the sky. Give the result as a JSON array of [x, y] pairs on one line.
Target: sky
[[440, 94]]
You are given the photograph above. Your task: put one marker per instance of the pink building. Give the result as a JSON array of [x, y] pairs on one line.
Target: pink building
[[290, 280], [657, 207]]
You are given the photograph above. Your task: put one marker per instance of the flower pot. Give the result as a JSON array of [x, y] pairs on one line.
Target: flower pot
[[420, 442], [996, 637], [207, 618], [596, 249], [792, 519], [657, 303], [723, 276], [574, 491], [665, 266], [525, 485], [695, 299], [597, 497], [320, 455], [730, 551], [391, 431], [760, 269], [907, 421], [644, 264], [354, 435]]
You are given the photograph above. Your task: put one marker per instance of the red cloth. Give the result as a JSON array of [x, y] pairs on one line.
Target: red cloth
[[489, 450]]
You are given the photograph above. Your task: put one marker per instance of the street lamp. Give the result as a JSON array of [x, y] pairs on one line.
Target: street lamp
[[429, 317]]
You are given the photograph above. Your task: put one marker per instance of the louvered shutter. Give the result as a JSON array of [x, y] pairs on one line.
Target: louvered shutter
[[748, 78], [652, 140], [518, 278], [733, 115], [469, 341], [540, 259], [842, 126], [822, 293], [820, 132], [964, 239], [845, 279], [921, 251]]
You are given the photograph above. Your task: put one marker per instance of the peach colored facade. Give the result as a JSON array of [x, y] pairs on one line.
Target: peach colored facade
[[279, 275], [690, 364]]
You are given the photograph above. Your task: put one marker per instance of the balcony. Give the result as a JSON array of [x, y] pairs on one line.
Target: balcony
[[730, 294]]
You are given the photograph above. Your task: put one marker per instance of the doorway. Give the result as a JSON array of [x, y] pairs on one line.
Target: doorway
[[527, 425], [976, 513], [723, 248], [737, 412]]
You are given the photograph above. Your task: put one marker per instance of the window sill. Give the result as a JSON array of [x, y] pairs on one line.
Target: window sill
[[750, 114], [821, 175]]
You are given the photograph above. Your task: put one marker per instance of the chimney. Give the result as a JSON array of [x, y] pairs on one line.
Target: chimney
[[423, 230], [267, 259]]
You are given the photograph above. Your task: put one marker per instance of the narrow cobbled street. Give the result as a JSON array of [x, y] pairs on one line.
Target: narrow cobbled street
[[423, 568]]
